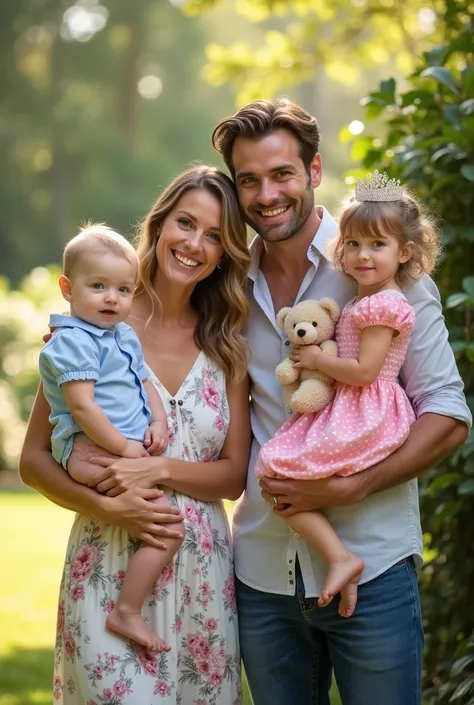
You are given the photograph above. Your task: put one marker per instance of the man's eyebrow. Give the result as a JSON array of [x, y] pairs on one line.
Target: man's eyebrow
[[280, 167]]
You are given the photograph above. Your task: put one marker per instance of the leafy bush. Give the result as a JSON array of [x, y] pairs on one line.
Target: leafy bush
[[429, 145], [24, 318]]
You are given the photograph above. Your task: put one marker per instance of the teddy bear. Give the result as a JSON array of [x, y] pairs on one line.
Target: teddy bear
[[308, 323]]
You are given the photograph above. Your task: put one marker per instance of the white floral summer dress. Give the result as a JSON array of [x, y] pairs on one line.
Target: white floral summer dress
[[193, 603]]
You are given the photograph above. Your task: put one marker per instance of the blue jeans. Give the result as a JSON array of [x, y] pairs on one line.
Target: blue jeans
[[290, 645]]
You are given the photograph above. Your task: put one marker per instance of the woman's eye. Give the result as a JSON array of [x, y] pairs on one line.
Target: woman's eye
[[214, 236], [185, 222]]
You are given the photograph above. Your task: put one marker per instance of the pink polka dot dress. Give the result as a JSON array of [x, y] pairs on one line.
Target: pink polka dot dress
[[361, 425]]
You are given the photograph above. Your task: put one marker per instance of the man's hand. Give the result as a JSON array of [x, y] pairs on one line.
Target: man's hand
[[308, 495], [305, 356]]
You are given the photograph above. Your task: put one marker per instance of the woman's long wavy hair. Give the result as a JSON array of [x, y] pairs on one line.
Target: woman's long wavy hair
[[220, 300]]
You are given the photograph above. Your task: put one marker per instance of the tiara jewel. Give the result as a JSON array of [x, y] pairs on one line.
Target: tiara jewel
[[378, 187]]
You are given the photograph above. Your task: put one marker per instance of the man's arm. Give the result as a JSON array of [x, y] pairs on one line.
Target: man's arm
[[433, 384]]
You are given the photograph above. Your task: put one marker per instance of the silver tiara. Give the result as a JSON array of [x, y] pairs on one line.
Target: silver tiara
[[378, 187]]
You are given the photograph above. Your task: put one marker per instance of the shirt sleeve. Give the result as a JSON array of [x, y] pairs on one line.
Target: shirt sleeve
[[72, 355], [429, 374], [384, 310]]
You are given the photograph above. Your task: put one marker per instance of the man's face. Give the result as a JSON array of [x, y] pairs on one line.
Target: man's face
[[275, 190]]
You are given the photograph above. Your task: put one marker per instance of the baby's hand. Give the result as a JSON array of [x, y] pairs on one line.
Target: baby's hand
[[156, 437], [135, 449], [305, 356]]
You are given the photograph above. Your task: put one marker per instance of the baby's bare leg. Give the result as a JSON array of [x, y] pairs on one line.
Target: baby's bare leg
[[344, 567], [79, 465], [144, 568]]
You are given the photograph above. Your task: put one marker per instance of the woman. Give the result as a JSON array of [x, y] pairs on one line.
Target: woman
[[188, 311]]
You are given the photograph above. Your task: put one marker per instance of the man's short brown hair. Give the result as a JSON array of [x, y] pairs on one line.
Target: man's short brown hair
[[262, 117]]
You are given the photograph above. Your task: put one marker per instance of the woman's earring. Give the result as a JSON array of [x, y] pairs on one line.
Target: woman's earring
[[219, 266]]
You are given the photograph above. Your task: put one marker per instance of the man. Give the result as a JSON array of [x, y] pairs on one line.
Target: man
[[289, 644]]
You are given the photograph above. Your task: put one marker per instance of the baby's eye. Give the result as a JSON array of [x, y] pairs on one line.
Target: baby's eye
[[97, 285], [124, 289]]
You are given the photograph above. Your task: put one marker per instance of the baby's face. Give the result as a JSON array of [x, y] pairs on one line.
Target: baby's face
[[102, 287]]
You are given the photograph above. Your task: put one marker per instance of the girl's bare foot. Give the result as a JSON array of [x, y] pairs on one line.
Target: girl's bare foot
[[343, 576], [132, 625]]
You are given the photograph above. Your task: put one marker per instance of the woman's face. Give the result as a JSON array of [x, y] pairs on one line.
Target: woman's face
[[189, 244]]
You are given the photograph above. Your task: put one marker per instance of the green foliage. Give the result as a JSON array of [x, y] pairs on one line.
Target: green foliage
[[305, 37], [81, 137], [24, 315], [429, 145]]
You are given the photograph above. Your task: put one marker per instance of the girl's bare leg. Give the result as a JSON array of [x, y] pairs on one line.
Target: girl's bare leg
[[344, 567]]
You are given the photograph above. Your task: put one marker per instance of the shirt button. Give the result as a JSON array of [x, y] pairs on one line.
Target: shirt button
[[291, 560], [290, 573], [292, 582], [180, 402], [288, 410], [287, 342], [172, 402]]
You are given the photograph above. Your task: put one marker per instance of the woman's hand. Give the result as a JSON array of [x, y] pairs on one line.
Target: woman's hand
[[123, 474], [135, 512]]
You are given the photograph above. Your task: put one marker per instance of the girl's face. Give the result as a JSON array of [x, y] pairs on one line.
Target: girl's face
[[189, 244], [374, 261]]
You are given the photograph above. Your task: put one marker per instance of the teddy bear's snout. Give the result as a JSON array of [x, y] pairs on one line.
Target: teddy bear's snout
[[301, 332]]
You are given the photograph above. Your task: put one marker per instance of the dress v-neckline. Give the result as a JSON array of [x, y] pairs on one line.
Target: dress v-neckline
[[191, 369]]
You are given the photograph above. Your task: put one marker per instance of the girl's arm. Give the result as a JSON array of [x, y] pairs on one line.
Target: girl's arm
[[206, 481], [374, 346], [95, 423], [133, 511], [158, 413]]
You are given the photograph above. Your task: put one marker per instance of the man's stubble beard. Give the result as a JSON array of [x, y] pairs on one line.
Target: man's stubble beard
[[294, 226]]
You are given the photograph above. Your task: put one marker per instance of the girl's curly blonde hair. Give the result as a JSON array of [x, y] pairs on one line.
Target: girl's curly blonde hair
[[405, 220]]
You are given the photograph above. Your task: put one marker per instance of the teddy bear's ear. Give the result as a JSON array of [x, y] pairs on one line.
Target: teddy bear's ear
[[331, 307], [281, 315]]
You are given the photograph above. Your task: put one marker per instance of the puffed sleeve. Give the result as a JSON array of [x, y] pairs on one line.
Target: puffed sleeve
[[131, 338], [72, 355], [384, 309]]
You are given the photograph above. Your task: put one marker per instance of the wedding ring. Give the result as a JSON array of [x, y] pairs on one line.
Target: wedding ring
[[275, 499]]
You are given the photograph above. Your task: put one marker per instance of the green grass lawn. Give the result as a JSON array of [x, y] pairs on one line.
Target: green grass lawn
[[33, 534]]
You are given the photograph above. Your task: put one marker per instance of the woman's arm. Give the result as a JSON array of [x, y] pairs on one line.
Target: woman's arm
[[206, 481], [133, 511], [374, 346]]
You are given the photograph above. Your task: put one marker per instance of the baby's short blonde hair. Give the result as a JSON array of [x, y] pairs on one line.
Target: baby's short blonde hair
[[95, 238]]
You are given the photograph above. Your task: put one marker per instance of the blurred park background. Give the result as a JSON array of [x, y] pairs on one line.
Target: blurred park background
[[103, 102]]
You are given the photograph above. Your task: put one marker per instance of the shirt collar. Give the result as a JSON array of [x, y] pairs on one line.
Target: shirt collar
[[318, 247], [61, 320]]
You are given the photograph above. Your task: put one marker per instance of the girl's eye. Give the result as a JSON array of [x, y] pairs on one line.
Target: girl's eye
[[97, 285], [352, 243], [378, 243], [124, 290]]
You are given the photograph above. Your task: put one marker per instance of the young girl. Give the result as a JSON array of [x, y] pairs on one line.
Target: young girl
[[95, 381], [385, 242]]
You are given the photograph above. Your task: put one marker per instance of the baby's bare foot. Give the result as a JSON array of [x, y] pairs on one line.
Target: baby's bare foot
[[133, 626], [342, 575]]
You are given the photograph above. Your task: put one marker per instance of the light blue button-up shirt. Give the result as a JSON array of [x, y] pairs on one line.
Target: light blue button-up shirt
[[385, 527], [113, 358]]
